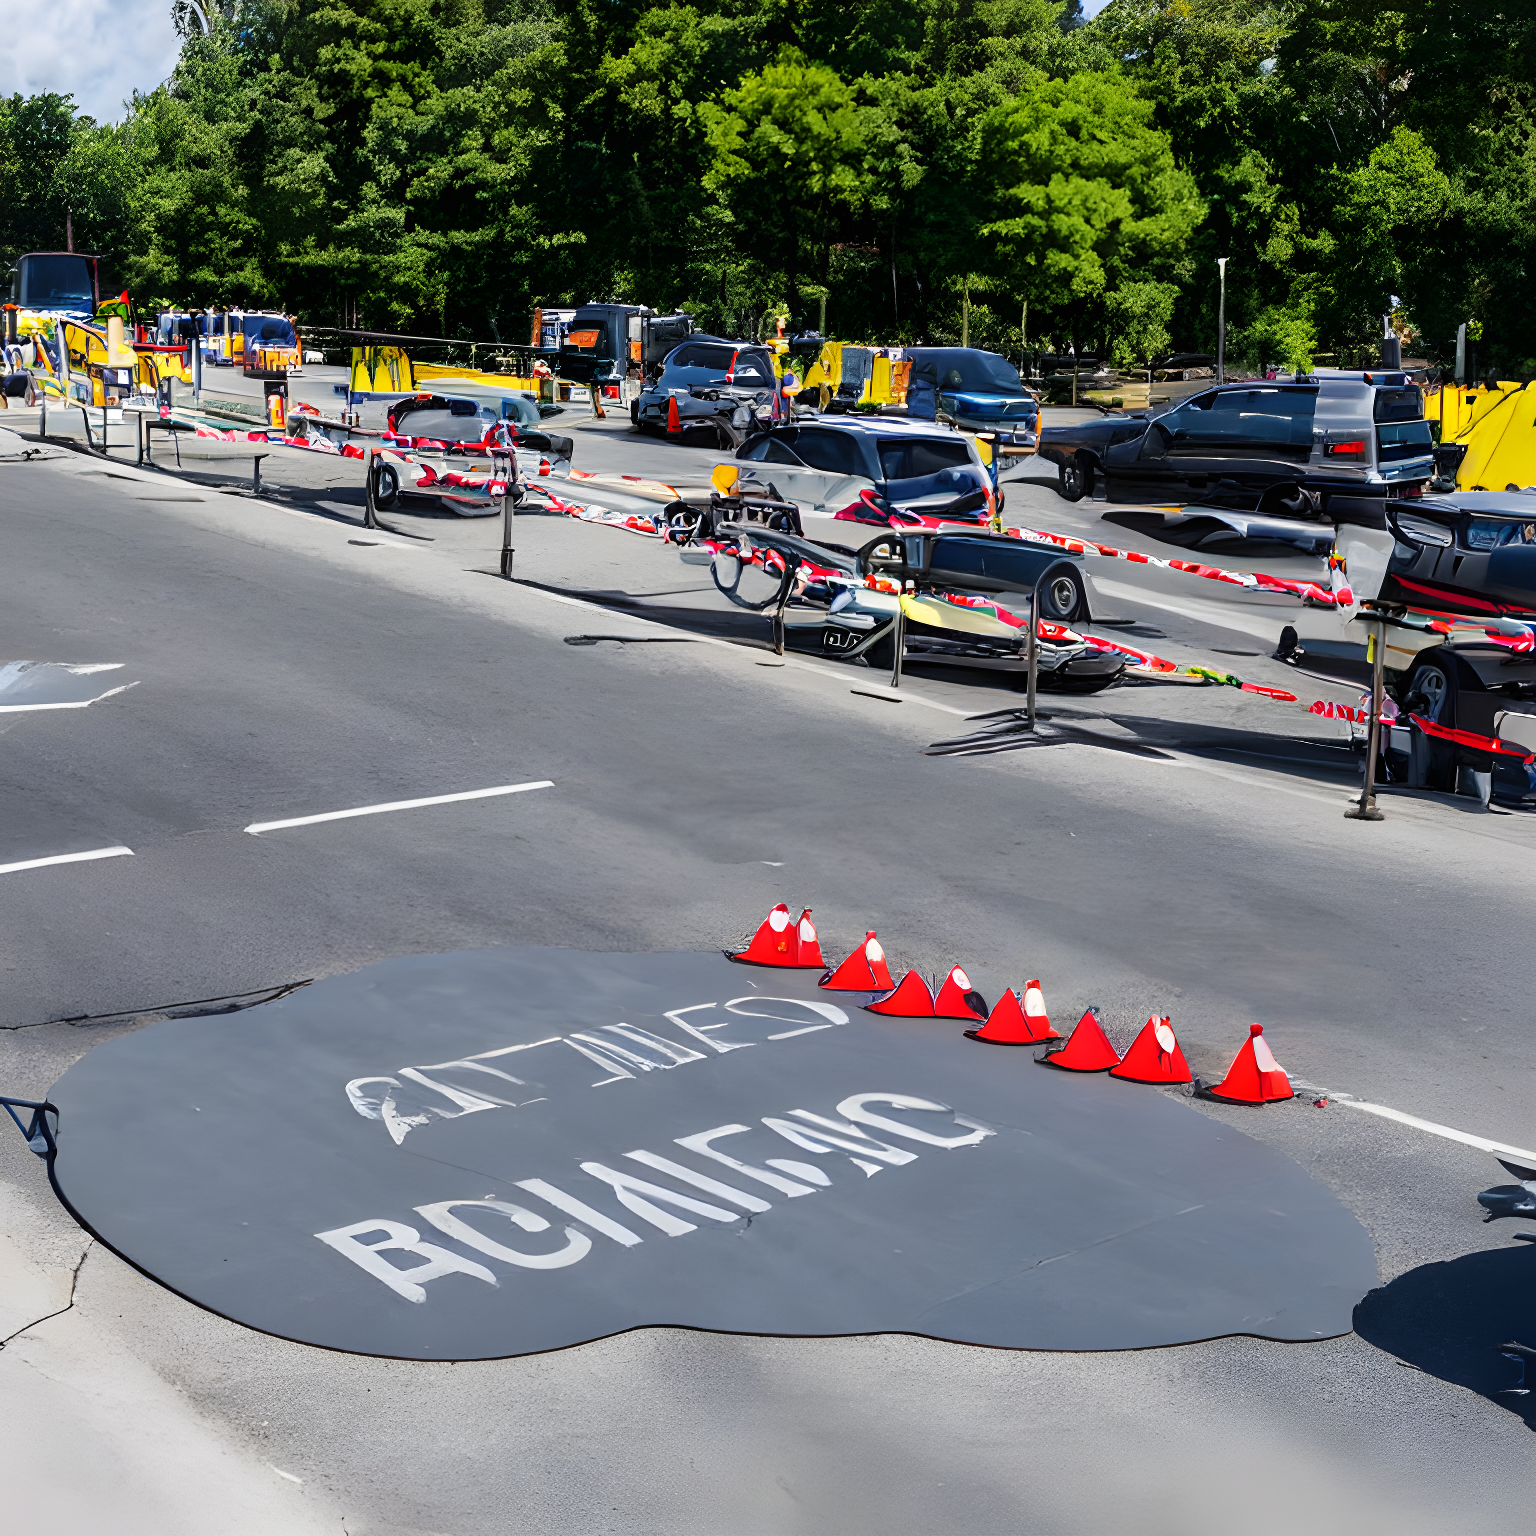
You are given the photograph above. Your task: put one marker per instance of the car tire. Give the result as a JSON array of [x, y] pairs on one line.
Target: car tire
[[386, 486], [634, 414], [1073, 477], [1431, 685], [1062, 598]]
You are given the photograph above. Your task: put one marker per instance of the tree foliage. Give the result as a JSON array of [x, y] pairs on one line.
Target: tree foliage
[[446, 164]]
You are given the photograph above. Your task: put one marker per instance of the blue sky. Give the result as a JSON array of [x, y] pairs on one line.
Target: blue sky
[[99, 50]]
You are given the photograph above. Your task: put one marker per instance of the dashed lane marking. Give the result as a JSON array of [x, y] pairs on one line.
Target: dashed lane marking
[[258, 827], [66, 858]]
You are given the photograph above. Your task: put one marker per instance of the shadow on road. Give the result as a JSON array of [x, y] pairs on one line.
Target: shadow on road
[[1450, 1319]]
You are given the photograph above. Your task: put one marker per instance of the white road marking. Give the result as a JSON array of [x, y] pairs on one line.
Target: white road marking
[[20, 709], [258, 827], [66, 858], [1450, 1133]]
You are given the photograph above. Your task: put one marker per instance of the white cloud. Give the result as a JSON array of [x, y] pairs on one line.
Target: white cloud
[[99, 51]]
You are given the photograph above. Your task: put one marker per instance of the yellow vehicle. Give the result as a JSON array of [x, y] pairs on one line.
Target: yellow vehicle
[[854, 376]]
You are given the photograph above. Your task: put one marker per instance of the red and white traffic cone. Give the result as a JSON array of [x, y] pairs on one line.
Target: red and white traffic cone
[[1008, 1024], [776, 942], [810, 945], [864, 970], [957, 999], [1034, 1011], [1154, 1056], [674, 421], [1087, 1050], [911, 1000], [1254, 1077]]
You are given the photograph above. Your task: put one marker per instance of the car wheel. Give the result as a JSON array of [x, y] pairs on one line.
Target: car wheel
[[1427, 691], [386, 486], [1071, 481], [1062, 598]]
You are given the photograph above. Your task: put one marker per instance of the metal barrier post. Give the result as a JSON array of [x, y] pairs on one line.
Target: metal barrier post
[[1366, 809], [85, 416], [899, 641], [370, 520], [1034, 647], [256, 472], [143, 437]]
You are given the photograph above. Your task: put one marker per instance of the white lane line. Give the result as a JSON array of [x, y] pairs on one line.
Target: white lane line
[[1450, 1133], [19, 709], [258, 827], [66, 858]]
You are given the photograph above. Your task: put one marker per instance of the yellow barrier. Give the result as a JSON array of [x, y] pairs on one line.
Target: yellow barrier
[[1498, 427]]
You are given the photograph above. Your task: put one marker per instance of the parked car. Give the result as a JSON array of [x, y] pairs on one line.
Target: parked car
[[709, 379], [1279, 448], [979, 391], [865, 469]]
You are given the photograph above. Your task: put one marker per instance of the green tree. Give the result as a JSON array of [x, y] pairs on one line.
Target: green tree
[[1084, 190], [791, 149]]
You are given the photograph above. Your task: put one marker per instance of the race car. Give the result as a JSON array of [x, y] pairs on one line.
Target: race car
[[443, 446], [940, 594]]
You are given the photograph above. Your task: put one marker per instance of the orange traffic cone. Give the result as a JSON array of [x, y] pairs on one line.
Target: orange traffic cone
[[864, 970], [1034, 1011], [957, 999], [777, 942], [674, 421], [810, 945], [911, 1000], [1154, 1056], [1010, 1025], [1088, 1049], [1254, 1077]]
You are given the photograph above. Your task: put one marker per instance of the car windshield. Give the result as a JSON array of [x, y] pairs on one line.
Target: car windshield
[[753, 368], [1487, 533], [964, 368], [55, 282], [269, 330], [835, 452], [910, 458], [464, 425], [700, 354], [519, 409]]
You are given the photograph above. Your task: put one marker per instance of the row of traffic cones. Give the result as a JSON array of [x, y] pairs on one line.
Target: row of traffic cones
[[1254, 1077]]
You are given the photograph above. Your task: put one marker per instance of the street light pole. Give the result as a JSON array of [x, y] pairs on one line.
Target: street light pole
[[1221, 325]]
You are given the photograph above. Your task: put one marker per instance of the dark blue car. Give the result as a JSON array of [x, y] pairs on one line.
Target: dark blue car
[[979, 391]]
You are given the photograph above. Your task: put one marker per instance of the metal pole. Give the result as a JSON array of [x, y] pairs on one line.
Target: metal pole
[[506, 521], [899, 638], [1366, 810], [1034, 649], [369, 520], [1221, 325]]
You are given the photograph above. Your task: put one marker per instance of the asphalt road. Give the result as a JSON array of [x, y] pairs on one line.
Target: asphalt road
[[284, 668]]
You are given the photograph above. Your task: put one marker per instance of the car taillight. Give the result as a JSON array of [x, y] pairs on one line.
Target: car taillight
[[544, 467], [1351, 446]]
